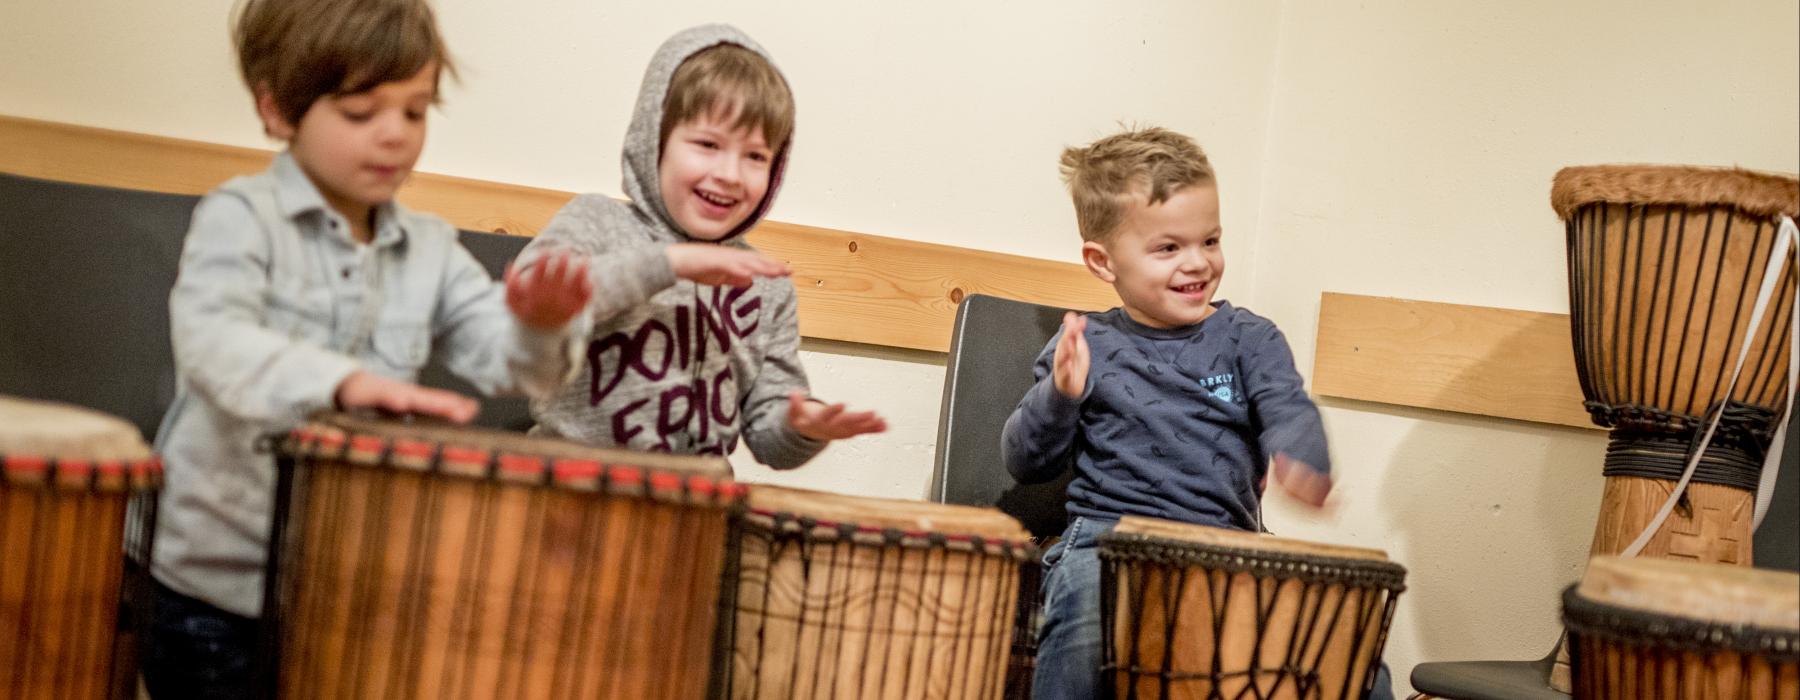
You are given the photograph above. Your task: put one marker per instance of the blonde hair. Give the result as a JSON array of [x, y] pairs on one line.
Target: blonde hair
[[1152, 163], [728, 79], [301, 50]]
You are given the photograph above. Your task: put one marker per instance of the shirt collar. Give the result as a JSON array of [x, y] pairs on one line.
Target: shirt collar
[[297, 196]]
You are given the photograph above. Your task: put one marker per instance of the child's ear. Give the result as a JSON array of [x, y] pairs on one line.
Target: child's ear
[[274, 124], [1098, 262]]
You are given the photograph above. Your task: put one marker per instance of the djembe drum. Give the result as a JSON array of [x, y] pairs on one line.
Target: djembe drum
[[429, 561], [832, 596], [1190, 611], [1664, 268], [67, 475], [1660, 628]]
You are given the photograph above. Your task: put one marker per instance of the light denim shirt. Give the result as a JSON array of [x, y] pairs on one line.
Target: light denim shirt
[[274, 306]]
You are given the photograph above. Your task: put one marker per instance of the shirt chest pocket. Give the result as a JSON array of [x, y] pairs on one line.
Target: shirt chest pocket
[[402, 348], [300, 312]]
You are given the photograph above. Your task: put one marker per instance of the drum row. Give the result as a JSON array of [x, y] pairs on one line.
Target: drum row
[[423, 561]]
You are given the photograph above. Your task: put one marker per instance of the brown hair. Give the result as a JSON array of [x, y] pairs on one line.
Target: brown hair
[[1152, 163], [728, 79], [301, 50]]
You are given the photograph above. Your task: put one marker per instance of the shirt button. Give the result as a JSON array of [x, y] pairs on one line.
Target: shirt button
[[349, 271]]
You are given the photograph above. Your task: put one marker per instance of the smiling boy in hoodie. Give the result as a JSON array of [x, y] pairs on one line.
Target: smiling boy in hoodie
[[694, 339]]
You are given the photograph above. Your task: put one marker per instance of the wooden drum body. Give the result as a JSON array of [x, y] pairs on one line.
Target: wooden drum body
[[1664, 268], [842, 597], [67, 476], [426, 562], [1200, 612], [1658, 628]]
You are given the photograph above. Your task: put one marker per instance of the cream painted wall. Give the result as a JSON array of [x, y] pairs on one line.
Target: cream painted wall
[[935, 121], [1410, 155], [1397, 148]]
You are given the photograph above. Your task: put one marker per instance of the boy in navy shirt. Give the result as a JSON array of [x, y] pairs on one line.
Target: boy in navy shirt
[[1171, 406]]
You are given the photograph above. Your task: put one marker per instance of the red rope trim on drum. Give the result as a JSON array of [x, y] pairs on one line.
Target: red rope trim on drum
[[321, 442], [26, 463], [522, 465], [663, 481], [630, 476], [571, 469], [417, 449], [81, 474], [468, 456], [330, 441]]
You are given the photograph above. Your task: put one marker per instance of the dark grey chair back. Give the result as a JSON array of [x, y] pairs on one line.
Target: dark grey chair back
[[1777, 542], [992, 348]]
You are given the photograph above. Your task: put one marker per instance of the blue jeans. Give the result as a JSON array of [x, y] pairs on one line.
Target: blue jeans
[[195, 650], [1070, 646], [1069, 643]]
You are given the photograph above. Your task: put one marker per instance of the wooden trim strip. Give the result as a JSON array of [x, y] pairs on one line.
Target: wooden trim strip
[[1449, 357], [852, 287]]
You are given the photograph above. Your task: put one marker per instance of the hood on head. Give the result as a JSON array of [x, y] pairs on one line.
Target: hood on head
[[643, 139]]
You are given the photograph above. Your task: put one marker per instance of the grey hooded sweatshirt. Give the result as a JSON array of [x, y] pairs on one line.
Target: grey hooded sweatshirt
[[671, 365]]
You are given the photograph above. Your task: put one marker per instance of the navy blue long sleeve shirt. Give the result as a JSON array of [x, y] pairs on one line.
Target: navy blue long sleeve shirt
[[1176, 423]]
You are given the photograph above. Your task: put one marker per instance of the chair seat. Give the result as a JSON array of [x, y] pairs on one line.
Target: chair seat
[[1487, 680]]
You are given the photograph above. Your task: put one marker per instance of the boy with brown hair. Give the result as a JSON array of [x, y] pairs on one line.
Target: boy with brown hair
[[306, 287], [1171, 406], [694, 339]]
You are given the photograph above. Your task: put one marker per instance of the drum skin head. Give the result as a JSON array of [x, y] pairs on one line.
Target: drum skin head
[[1238, 539], [1717, 593], [64, 431], [912, 516]]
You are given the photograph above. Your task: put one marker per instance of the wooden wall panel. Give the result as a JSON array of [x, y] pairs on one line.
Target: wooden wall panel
[[1451, 357], [853, 287]]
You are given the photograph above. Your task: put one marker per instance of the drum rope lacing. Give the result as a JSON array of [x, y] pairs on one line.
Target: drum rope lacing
[[1663, 456], [1298, 669], [1787, 248]]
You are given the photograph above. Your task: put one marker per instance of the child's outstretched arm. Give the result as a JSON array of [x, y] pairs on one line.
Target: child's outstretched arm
[[218, 314], [1039, 437], [1292, 434], [512, 338], [766, 406], [625, 273], [825, 422]]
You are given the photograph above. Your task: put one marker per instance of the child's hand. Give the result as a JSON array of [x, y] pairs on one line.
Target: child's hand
[[706, 263], [1070, 369], [366, 390], [1301, 480], [825, 423], [550, 292]]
